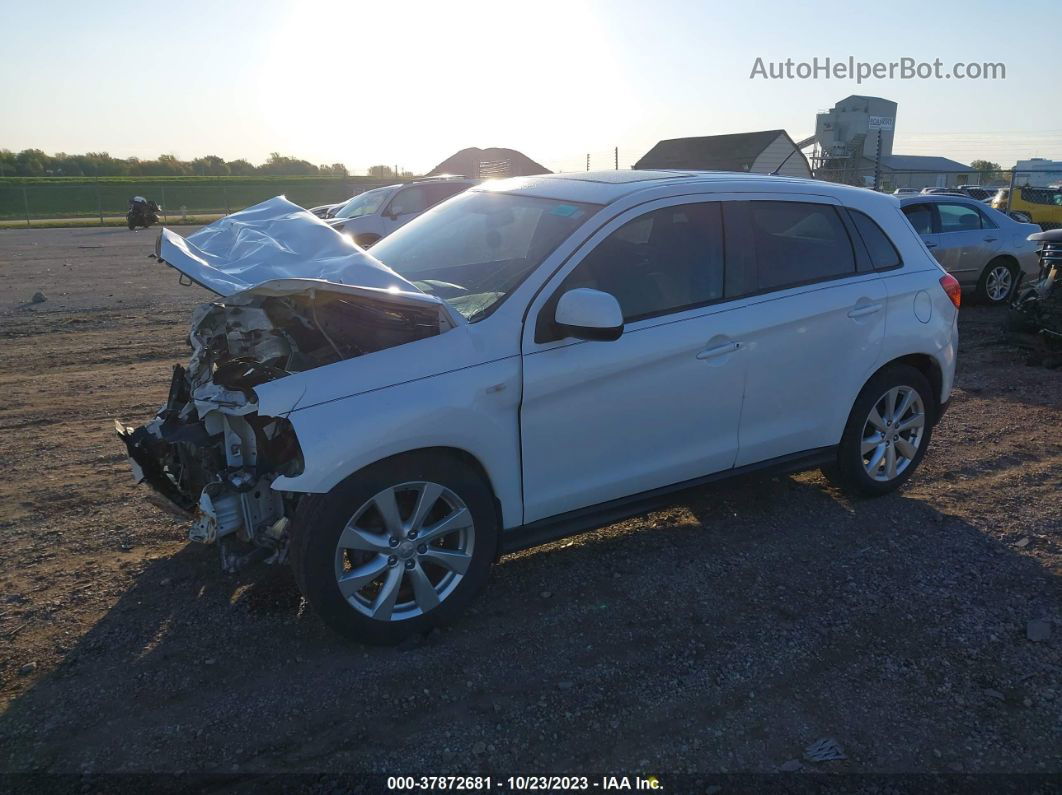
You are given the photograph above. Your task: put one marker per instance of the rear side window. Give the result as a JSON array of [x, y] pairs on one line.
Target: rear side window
[[958, 218], [921, 218], [883, 253], [783, 244]]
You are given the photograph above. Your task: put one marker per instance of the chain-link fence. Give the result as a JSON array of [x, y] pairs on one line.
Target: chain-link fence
[[66, 202]]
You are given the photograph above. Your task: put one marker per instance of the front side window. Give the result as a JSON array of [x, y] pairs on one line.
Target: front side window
[[921, 218], [440, 191], [797, 242], [365, 203], [664, 261], [413, 199], [475, 250], [958, 218]]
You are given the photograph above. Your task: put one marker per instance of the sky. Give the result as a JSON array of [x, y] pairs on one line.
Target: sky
[[409, 83]]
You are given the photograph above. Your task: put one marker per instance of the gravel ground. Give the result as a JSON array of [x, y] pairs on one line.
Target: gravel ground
[[724, 633]]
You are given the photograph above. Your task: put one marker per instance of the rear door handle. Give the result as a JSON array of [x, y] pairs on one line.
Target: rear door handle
[[864, 310], [930, 245], [719, 350]]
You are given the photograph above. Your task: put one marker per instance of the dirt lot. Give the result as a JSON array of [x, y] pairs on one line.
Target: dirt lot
[[723, 634]]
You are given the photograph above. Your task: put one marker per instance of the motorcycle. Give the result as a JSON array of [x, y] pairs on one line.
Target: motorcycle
[[142, 212]]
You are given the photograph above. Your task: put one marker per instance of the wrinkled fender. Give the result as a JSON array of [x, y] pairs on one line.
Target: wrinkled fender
[[473, 409]]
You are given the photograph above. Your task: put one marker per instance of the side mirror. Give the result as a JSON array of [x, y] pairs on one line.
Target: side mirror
[[589, 315]]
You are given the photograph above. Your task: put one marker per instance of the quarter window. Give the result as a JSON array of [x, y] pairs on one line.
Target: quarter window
[[883, 253], [664, 261]]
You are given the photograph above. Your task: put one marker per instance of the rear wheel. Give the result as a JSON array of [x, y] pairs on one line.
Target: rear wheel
[[397, 548], [997, 282], [887, 433]]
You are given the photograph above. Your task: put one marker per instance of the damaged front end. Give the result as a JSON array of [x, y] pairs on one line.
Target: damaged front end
[[210, 453], [210, 457], [296, 296]]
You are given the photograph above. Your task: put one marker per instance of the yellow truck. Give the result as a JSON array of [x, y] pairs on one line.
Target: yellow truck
[[1031, 205]]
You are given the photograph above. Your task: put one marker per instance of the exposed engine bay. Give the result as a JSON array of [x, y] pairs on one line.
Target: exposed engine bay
[[208, 454]]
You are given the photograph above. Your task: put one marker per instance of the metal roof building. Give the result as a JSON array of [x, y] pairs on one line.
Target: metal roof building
[[753, 152]]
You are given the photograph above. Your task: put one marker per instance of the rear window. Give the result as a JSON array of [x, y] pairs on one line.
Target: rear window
[[883, 253]]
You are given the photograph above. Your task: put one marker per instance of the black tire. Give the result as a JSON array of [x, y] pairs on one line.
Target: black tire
[[365, 241], [132, 225], [849, 472], [320, 520], [982, 283]]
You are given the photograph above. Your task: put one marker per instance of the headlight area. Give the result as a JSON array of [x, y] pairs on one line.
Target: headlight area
[[210, 457]]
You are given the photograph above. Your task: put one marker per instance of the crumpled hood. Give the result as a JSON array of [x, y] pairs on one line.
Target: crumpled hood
[[272, 240]]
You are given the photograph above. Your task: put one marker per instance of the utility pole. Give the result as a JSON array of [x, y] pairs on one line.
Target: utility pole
[[617, 158], [877, 162], [587, 161]]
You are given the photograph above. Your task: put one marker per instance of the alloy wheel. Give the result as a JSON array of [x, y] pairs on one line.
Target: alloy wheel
[[892, 433], [999, 283], [404, 551]]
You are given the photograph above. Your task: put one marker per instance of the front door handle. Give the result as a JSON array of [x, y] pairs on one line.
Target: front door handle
[[864, 309], [991, 239], [930, 245], [719, 350]]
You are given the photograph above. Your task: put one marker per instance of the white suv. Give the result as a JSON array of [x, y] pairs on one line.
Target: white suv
[[376, 213], [536, 357]]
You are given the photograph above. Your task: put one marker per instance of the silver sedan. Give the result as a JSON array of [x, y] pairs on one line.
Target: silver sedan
[[981, 247]]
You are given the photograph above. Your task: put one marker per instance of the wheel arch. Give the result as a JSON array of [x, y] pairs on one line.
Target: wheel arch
[[455, 453], [929, 367]]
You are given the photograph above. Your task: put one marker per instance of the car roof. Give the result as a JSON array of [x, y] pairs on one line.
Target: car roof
[[939, 198], [605, 187]]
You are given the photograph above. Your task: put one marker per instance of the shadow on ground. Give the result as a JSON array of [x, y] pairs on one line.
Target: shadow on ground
[[723, 634]]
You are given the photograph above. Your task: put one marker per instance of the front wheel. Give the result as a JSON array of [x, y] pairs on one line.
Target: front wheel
[[887, 433], [397, 548]]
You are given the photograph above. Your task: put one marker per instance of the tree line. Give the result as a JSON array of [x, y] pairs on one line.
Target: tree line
[[35, 163]]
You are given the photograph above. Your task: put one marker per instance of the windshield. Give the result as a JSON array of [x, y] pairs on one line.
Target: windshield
[[364, 203], [478, 247]]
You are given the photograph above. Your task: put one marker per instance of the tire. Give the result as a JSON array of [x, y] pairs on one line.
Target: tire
[[132, 225], [365, 241], [320, 555], [997, 282], [850, 471]]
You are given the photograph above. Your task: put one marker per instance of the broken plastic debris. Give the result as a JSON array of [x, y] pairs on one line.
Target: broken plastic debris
[[824, 750]]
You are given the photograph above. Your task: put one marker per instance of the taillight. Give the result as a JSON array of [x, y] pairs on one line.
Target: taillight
[[952, 288]]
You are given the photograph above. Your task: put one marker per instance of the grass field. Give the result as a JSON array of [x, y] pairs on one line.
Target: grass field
[[60, 199]]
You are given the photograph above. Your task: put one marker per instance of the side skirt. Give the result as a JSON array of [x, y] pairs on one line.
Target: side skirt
[[582, 519]]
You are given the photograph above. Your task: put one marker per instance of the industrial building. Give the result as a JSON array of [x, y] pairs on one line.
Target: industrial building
[[853, 143], [1038, 172]]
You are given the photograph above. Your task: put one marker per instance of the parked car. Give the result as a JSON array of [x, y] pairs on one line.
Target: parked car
[[1040, 206], [327, 210], [982, 248], [977, 193], [945, 191], [906, 192], [376, 213], [531, 359]]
